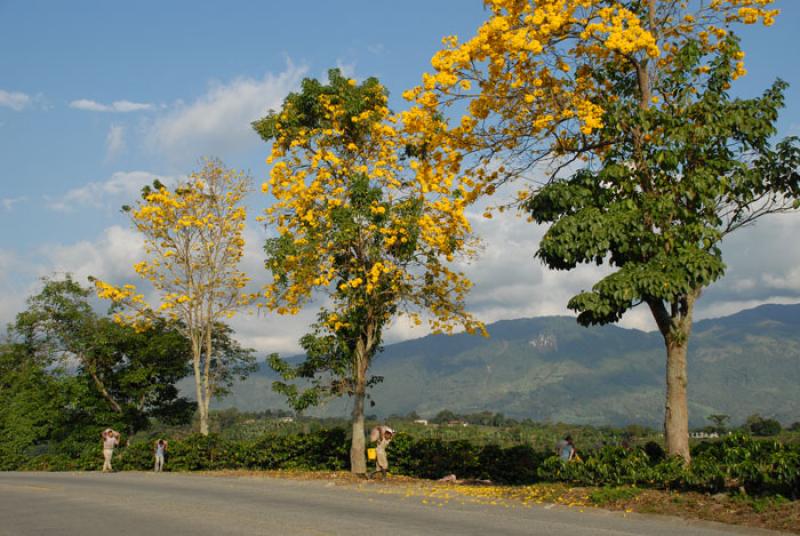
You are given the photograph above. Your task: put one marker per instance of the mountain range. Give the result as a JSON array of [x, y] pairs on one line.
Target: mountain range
[[552, 369]]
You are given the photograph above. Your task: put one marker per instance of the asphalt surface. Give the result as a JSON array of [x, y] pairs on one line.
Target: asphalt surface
[[90, 504]]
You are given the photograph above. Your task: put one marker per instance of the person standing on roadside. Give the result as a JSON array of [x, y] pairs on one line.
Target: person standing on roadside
[[565, 449], [110, 441], [382, 436], [160, 450]]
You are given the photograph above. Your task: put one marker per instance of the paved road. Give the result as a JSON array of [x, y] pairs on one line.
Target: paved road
[[90, 504]]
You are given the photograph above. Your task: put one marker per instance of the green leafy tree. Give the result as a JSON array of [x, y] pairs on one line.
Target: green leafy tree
[[720, 421], [621, 110], [658, 210], [32, 404], [444, 416], [761, 426], [133, 373]]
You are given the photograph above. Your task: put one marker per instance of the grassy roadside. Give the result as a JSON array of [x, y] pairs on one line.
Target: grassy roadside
[[774, 513]]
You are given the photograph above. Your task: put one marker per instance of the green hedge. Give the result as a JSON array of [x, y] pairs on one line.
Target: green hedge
[[326, 450], [738, 461]]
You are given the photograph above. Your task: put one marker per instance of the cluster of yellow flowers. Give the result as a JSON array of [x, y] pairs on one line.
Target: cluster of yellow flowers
[[115, 294], [312, 177], [194, 241], [621, 31], [528, 76]]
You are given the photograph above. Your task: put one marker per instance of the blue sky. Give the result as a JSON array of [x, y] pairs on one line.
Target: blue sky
[[97, 98]]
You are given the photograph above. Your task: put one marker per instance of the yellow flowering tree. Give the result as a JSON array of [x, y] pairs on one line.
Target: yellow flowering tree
[[618, 111], [363, 218], [194, 243]]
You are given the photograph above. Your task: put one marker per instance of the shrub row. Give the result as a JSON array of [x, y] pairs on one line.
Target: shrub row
[[323, 450], [758, 466], [736, 462]]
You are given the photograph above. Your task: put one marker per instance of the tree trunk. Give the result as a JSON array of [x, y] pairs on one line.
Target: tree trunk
[[363, 350], [358, 462], [202, 410], [203, 419], [676, 411], [207, 387], [103, 391], [676, 327]]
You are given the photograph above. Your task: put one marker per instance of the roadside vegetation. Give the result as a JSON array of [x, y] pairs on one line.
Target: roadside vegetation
[[612, 123], [515, 453], [736, 479]]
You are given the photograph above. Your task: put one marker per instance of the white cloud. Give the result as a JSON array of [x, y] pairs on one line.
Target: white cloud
[[219, 121], [716, 309], [509, 282], [348, 69], [111, 257], [377, 49], [15, 285], [763, 267], [15, 100], [120, 106], [7, 203], [122, 187], [115, 141]]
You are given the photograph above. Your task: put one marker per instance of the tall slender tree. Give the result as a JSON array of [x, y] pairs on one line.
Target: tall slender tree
[[194, 242], [116, 373], [364, 218]]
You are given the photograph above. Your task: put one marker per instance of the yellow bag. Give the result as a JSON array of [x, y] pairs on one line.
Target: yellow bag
[[372, 454]]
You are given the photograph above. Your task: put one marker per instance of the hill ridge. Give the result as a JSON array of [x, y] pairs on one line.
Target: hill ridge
[[551, 368]]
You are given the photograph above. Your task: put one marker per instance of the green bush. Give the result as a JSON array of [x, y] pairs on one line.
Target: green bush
[[760, 467]]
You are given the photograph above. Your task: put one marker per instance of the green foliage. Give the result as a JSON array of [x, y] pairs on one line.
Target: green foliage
[[122, 376], [322, 450], [763, 427], [676, 178], [31, 402], [761, 504], [67, 373], [761, 468], [305, 110], [327, 370]]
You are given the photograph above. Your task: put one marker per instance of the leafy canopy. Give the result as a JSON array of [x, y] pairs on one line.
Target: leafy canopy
[[193, 241], [620, 109], [362, 217]]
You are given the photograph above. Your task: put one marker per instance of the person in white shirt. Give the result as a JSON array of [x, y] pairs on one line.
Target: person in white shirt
[[110, 440], [381, 436], [160, 450]]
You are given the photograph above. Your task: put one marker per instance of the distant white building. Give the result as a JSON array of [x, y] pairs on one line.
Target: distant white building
[[703, 435], [423, 422]]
